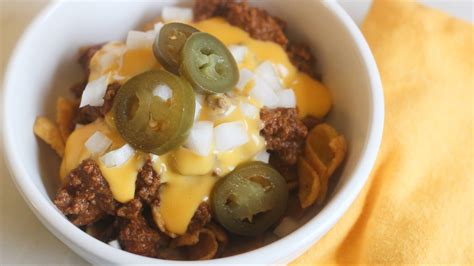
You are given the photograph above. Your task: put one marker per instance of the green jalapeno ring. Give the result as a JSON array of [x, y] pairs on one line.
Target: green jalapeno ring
[[250, 199], [148, 122], [208, 65], [168, 44]]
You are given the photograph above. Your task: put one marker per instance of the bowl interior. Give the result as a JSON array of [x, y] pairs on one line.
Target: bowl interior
[[44, 66]]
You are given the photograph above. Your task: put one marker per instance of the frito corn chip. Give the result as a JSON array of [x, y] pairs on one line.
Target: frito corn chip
[[309, 183], [46, 130], [314, 160], [219, 233], [338, 146], [159, 221], [187, 239], [221, 238], [65, 111], [206, 248], [192, 239], [324, 181], [319, 138], [324, 150]]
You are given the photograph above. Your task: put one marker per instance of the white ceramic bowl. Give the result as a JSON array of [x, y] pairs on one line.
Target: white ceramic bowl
[[43, 67]]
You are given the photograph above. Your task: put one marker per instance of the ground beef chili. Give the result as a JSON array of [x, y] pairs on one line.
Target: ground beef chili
[[260, 25], [105, 230], [284, 133], [301, 56], [136, 234], [138, 237], [311, 121], [201, 217], [148, 184], [257, 22], [84, 59], [85, 56], [88, 114], [130, 210], [288, 171], [85, 197], [204, 9]]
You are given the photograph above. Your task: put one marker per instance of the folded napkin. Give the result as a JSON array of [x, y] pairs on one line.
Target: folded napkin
[[418, 205]]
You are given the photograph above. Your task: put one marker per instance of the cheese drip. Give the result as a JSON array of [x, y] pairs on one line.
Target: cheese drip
[[121, 179], [180, 195]]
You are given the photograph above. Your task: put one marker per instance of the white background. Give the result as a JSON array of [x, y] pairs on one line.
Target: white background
[[23, 240]]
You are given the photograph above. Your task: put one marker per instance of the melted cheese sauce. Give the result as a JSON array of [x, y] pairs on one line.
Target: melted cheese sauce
[[75, 151], [187, 177], [137, 61], [121, 179], [312, 97], [107, 60], [181, 194]]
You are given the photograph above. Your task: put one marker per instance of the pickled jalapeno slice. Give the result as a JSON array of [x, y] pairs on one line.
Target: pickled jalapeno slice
[[168, 44], [250, 199], [154, 111], [208, 64]]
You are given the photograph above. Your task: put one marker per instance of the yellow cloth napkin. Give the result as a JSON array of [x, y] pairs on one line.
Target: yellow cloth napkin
[[418, 205]]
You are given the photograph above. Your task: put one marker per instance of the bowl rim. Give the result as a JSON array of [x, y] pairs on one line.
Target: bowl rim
[[304, 236]]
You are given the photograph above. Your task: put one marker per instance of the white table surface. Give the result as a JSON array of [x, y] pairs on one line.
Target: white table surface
[[23, 239]]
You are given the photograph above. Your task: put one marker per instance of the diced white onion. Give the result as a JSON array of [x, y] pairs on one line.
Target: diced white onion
[[163, 91], [230, 135], [286, 98], [118, 157], [282, 70], [98, 143], [264, 93], [197, 109], [267, 71], [244, 78], [200, 138], [115, 244], [180, 14], [94, 92], [230, 110], [157, 27], [200, 98], [238, 51], [140, 39], [117, 77], [154, 157], [110, 53], [107, 59], [286, 226], [218, 171], [249, 110], [262, 156]]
